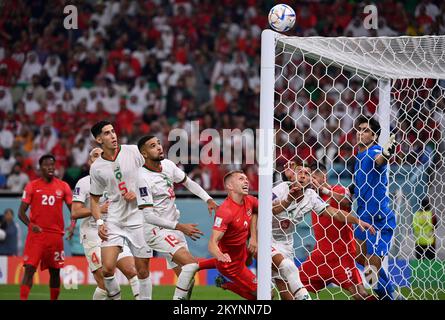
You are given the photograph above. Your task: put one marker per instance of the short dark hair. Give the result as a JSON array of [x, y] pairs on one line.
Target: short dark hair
[[46, 156], [143, 140], [230, 173], [373, 124], [97, 128]]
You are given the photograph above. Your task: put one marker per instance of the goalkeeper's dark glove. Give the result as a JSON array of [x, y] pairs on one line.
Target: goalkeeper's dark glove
[[389, 147]]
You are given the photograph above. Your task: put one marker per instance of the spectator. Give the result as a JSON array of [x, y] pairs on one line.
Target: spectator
[[8, 234], [424, 225], [5, 100], [6, 137], [31, 67], [17, 180], [80, 153], [31, 104]]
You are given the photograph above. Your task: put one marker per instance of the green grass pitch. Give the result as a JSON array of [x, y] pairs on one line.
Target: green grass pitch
[[85, 292]]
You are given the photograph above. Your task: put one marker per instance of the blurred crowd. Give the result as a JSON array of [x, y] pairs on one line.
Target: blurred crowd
[[151, 66]]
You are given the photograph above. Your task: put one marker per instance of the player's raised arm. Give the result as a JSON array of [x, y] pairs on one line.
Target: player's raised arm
[[346, 217], [295, 193], [214, 250], [388, 150], [198, 191]]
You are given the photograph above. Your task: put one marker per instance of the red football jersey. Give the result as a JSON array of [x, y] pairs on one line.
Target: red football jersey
[[234, 220], [332, 236], [46, 201]]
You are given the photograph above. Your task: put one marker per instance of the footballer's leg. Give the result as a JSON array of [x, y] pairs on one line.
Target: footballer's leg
[[143, 273], [189, 266], [26, 285], [100, 293], [109, 259], [54, 283], [128, 268], [289, 272]]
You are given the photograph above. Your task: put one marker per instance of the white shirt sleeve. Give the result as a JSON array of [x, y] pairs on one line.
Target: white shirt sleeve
[[317, 204], [280, 191], [143, 193], [81, 190], [178, 174], [97, 184]]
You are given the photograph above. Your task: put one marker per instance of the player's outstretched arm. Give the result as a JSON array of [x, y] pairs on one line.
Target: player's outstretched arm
[[388, 151], [198, 191], [215, 237], [347, 217], [79, 210]]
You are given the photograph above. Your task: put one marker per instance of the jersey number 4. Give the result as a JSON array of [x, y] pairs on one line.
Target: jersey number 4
[[48, 200]]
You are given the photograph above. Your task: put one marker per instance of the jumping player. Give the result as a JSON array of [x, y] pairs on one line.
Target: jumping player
[[44, 243], [90, 239], [231, 230], [156, 199], [115, 173]]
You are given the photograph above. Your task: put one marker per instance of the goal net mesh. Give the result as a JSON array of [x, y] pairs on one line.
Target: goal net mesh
[[322, 85]]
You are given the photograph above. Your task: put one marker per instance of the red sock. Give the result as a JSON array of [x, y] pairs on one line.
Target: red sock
[[207, 264], [54, 293], [24, 292], [232, 286]]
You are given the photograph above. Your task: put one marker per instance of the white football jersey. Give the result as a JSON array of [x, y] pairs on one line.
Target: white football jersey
[[116, 178], [283, 224], [88, 226], [157, 188]]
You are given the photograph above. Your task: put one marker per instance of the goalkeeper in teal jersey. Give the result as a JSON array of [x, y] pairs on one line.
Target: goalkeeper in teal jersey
[[371, 194]]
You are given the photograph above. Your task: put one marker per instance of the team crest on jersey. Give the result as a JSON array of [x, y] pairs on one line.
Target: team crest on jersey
[[59, 192], [143, 191], [249, 212], [218, 222], [76, 191]]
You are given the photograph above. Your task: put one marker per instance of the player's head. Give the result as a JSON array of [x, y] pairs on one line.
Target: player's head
[[303, 175], [94, 154], [151, 148], [368, 130], [103, 132], [236, 181], [289, 171], [319, 173], [47, 164]]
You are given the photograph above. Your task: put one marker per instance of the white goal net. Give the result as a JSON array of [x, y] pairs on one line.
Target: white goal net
[[320, 88]]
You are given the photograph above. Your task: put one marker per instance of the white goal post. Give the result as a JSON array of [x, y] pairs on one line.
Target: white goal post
[[389, 68]]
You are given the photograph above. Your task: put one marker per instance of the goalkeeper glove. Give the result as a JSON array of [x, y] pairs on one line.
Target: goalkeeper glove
[[389, 147]]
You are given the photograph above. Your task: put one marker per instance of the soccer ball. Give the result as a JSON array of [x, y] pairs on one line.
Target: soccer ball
[[282, 18]]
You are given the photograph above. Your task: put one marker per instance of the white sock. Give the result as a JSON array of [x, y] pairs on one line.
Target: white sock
[[145, 289], [289, 272], [184, 280], [113, 288], [189, 293], [100, 294], [134, 283]]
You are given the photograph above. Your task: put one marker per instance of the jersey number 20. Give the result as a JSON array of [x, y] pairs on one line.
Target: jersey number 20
[[48, 200]]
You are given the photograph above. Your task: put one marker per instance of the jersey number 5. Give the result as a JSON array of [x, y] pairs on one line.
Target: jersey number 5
[[123, 188]]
